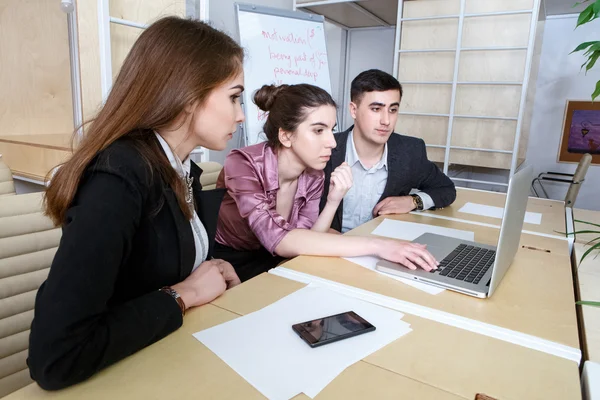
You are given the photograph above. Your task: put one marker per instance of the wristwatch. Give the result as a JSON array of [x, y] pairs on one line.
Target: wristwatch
[[417, 202]]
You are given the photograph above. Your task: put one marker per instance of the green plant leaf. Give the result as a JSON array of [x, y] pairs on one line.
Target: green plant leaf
[[596, 92], [586, 222], [592, 60], [593, 48], [588, 251], [579, 3], [585, 16], [596, 8], [582, 232], [592, 241], [588, 303], [582, 46]]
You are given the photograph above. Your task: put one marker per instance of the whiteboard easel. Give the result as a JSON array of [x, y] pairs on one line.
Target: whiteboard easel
[[281, 47]]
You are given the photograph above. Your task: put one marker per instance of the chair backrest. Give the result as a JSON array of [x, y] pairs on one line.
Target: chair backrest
[[7, 186], [210, 173], [28, 242], [578, 179]]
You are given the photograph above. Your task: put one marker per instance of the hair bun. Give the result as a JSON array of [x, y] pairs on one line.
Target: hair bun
[[265, 97]]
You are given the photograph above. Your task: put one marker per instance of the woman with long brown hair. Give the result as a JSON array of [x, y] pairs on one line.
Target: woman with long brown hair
[[138, 231]]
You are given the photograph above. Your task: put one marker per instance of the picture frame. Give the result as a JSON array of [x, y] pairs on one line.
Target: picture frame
[[581, 132]]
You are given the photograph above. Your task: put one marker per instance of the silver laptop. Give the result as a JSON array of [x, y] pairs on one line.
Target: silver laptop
[[468, 267]]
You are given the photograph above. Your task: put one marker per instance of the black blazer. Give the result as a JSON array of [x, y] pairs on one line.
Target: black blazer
[[124, 238], [408, 168]]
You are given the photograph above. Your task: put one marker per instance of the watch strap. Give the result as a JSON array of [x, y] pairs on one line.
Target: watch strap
[[173, 293]]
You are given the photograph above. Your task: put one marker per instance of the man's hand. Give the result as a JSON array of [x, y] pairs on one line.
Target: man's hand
[[394, 205]]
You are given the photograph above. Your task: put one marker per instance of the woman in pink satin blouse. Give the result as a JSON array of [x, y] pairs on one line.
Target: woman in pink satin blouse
[[271, 208]]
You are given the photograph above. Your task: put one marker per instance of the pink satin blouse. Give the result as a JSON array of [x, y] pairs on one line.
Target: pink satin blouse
[[248, 218]]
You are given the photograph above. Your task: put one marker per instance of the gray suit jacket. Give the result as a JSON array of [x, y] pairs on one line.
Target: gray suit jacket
[[408, 168]]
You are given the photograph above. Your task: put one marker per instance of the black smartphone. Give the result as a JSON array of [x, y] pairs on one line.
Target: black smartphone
[[333, 328]]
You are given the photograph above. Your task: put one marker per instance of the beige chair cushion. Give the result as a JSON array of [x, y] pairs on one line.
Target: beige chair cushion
[[7, 186], [210, 173], [28, 242]]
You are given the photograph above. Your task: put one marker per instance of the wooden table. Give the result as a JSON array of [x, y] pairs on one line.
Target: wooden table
[[553, 214], [180, 367], [447, 358], [434, 361], [535, 297], [588, 273], [588, 216]]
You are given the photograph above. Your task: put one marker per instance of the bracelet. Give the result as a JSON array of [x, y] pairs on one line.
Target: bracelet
[[168, 290]]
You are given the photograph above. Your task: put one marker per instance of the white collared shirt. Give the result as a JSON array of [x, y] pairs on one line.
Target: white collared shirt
[[368, 186], [198, 230]]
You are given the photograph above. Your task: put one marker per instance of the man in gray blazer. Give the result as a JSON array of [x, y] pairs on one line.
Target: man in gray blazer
[[385, 166]]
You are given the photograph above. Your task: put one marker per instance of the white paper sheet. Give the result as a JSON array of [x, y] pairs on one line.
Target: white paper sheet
[[370, 262], [497, 212], [264, 350], [411, 230]]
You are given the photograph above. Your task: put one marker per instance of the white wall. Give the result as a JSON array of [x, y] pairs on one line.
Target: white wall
[[335, 37], [369, 48], [560, 79], [221, 15], [192, 8]]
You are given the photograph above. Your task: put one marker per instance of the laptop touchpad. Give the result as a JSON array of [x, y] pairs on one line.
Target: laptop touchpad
[[439, 246]]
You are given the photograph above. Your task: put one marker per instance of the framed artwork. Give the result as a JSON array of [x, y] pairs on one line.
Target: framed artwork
[[581, 132]]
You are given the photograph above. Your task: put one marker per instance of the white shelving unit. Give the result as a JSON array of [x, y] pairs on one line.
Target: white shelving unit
[[439, 45]]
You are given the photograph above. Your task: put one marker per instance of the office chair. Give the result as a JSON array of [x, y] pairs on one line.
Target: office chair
[[575, 181], [7, 186], [28, 242]]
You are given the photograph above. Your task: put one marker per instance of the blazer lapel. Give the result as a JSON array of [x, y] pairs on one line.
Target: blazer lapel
[[187, 249], [394, 164], [338, 156], [208, 204], [185, 237]]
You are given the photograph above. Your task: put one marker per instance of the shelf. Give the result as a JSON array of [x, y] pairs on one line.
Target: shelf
[[354, 14], [376, 13]]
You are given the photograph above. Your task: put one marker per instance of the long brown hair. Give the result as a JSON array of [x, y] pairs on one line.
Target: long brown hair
[[174, 62]]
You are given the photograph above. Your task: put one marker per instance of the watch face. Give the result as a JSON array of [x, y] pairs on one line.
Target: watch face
[[418, 202]]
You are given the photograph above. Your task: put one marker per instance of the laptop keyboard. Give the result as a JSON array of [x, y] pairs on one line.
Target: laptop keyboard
[[467, 263]]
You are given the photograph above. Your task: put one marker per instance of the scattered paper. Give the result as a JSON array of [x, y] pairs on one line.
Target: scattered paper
[[264, 350], [410, 230], [497, 212], [370, 262]]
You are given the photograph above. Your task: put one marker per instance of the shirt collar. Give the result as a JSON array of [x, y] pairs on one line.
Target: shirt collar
[[352, 156], [182, 168]]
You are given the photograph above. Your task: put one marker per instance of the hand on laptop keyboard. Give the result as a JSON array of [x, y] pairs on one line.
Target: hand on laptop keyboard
[[411, 255]]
